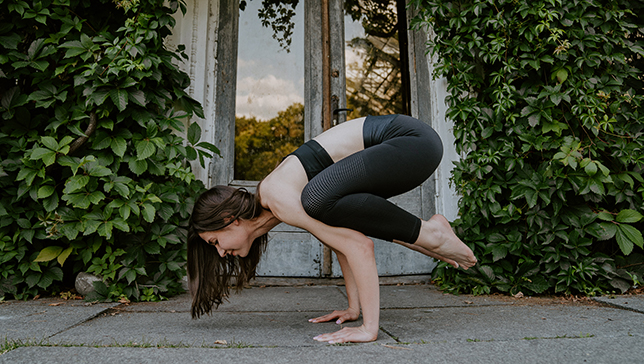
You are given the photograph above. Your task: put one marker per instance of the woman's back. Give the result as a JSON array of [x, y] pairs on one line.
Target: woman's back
[[280, 191]]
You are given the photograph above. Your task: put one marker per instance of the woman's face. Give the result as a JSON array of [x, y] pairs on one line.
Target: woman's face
[[233, 240]]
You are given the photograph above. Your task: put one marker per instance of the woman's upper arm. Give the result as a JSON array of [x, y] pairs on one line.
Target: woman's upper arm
[[283, 199], [341, 239]]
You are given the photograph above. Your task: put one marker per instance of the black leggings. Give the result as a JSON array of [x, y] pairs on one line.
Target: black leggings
[[400, 153]]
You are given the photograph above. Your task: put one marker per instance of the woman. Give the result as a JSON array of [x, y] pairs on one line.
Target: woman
[[335, 186]]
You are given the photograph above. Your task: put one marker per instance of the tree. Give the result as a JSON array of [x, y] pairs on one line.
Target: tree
[[261, 145]]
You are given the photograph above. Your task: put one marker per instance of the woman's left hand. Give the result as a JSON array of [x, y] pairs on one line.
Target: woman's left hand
[[348, 334], [344, 315]]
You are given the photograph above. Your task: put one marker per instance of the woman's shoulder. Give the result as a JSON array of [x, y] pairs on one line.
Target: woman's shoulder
[[282, 188]]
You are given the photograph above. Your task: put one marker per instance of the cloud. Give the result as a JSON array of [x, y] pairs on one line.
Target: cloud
[[263, 98]]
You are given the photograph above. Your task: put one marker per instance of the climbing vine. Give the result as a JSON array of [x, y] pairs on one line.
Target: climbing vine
[[94, 172], [547, 98]]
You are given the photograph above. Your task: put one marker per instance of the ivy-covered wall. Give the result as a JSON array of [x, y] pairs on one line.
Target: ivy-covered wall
[[547, 101], [93, 175]]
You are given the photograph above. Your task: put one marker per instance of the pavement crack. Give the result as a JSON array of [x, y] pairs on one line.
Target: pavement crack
[[98, 314], [619, 306], [390, 334]]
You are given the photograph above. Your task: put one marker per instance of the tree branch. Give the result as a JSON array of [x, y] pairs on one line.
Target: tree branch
[[88, 132]]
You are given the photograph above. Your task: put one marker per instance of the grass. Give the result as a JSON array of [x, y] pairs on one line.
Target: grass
[[565, 336], [7, 345]]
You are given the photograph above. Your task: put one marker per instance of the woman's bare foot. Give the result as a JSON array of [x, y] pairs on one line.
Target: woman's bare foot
[[420, 249], [437, 236]]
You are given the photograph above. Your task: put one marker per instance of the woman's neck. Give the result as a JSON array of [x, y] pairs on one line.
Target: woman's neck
[[265, 222]]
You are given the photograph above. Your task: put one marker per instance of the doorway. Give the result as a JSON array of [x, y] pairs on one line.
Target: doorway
[[357, 55]]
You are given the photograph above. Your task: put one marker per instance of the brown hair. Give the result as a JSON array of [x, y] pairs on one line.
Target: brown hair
[[209, 275]]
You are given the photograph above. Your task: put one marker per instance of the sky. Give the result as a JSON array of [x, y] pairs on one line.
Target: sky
[[269, 79]]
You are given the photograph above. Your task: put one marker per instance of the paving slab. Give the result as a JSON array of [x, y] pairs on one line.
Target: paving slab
[[426, 296], [321, 298], [264, 299], [40, 319], [178, 329], [494, 323], [622, 350], [628, 302]]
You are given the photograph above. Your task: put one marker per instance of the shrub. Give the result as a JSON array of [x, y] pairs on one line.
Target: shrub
[[94, 173], [546, 97]]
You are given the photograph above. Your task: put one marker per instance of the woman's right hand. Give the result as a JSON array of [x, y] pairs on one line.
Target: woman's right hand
[[350, 314]]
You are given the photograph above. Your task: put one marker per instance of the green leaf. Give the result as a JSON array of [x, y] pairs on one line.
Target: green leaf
[[119, 97], [64, 255], [623, 240], [51, 203], [130, 276], [119, 146], [632, 234], [562, 75], [209, 147], [194, 134], [191, 153], [591, 168], [48, 253], [124, 211], [45, 191], [97, 170], [496, 237], [75, 183], [148, 212], [122, 189], [152, 248], [137, 166], [538, 284], [46, 155], [145, 149], [90, 226], [487, 272], [138, 97], [80, 200], [49, 142], [606, 216], [499, 252], [10, 41], [33, 279], [71, 230], [99, 96], [96, 197], [121, 225], [105, 229], [629, 216]]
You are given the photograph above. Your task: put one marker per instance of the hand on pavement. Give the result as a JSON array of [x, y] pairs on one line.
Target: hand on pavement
[[341, 316], [348, 334]]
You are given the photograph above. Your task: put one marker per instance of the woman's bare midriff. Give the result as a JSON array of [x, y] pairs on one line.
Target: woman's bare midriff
[[283, 186], [343, 140]]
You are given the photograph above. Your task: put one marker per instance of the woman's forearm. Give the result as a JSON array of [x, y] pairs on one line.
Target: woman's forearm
[[349, 282], [362, 263]]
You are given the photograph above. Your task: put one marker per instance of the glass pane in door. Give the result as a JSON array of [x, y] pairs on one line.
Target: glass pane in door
[[375, 37], [270, 94]]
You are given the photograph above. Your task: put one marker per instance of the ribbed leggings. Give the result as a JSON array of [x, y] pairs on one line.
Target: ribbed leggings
[[353, 192]]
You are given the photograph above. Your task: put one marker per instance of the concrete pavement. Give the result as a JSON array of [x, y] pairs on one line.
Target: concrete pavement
[[418, 324]]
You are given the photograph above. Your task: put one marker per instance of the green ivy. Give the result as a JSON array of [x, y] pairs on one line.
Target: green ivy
[[94, 172], [547, 100]]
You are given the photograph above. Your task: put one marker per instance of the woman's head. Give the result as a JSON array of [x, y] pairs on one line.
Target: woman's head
[[209, 273]]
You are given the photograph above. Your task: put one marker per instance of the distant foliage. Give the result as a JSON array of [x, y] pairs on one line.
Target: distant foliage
[[94, 174], [547, 100], [260, 145]]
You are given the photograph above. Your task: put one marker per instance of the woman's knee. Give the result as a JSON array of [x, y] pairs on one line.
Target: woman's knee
[[315, 203]]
